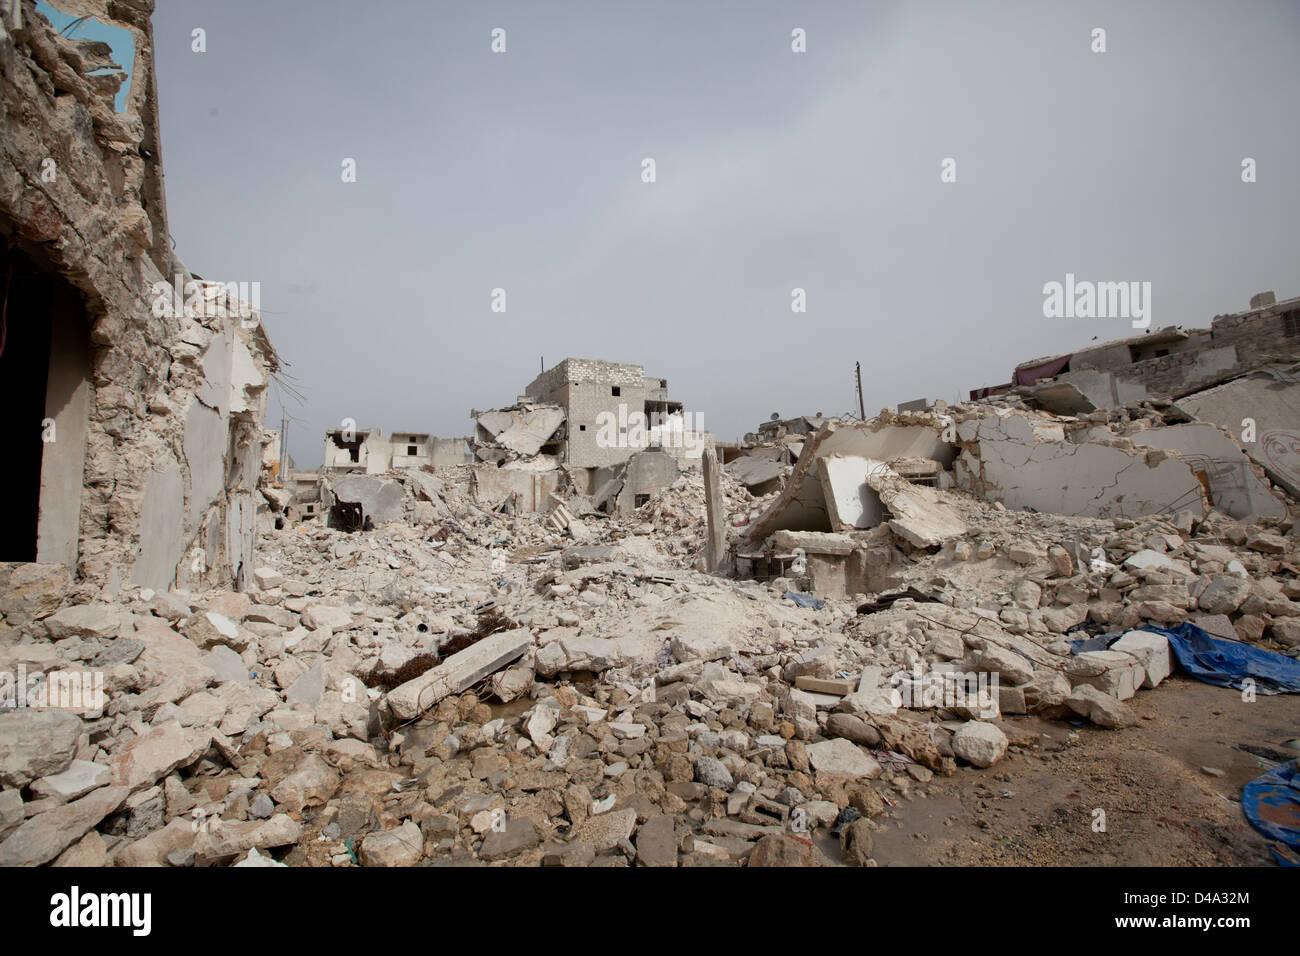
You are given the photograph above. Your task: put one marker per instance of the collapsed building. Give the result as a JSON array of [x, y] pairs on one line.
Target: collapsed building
[[606, 430], [137, 388], [1168, 423], [1170, 362], [700, 676], [368, 451]]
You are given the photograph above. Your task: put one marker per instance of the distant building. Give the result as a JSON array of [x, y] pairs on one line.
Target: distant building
[[368, 451], [1173, 361], [587, 414]]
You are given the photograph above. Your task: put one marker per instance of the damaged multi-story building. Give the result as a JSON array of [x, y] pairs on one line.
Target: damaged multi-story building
[[608, 427], [368, 451], [136, 390], [1173, 361]]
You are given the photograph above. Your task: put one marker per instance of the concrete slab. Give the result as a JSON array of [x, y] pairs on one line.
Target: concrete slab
[[1269, 403], [1026, 464], [1235, 488], [850, 501], [917, 513], [801, 505], [459, 672], [380, 498], [530, 428], [162, 517]]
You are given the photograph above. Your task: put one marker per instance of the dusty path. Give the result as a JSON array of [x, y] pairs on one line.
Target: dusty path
[[1036, 808]]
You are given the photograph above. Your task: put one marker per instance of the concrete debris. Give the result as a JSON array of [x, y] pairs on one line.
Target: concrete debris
[[463, 684], [589, 634]]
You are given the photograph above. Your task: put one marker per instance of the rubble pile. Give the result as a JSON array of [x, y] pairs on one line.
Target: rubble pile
[[465, 685]]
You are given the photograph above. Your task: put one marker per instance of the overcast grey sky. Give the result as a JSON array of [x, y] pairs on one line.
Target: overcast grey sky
[[775, 170]]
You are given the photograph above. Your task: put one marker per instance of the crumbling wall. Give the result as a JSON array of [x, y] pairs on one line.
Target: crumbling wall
[[646, 474], [1261, 336], [1027, 463], [174, 398], [1261, 410], [524, 489]]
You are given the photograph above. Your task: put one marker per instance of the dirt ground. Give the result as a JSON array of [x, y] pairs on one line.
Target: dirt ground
[[1039, 806]]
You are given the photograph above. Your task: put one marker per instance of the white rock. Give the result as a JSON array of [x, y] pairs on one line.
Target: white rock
[[840, 756], [80, 778], [979, 743]]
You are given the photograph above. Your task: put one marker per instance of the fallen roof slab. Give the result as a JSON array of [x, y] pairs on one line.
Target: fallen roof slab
[[1235, 489], [1267, 401], [801, 506], [917, 513]]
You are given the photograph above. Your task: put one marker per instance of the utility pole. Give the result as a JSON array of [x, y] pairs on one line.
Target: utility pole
[[857, 372]]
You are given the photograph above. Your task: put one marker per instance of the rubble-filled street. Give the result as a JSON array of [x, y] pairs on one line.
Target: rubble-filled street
[[1054, 621], [462, 685]]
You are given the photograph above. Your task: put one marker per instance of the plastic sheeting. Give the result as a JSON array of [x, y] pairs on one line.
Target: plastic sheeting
[[1230, 663], [805, 600], [1272, 805], [1049, 369]]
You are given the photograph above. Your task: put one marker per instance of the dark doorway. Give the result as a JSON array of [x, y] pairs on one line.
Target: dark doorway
[[26, 310], [45, 392]]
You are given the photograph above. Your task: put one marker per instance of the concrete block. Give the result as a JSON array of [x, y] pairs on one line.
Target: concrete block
[[1152, 650], [458, 672]]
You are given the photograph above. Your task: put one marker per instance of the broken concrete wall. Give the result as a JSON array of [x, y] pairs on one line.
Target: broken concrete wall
[[446, 452], [380, 499], [362, 449], [526, 490], [1027, 463], [1262, 411], [1235, 488], [646, 474], [81, 194], [521, 431]]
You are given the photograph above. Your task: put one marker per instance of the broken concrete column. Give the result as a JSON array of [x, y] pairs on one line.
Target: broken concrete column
[[716, 542]]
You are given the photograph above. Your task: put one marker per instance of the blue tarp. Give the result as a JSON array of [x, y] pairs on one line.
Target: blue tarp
[[1272, 805], [1230, 663], [805, 600]]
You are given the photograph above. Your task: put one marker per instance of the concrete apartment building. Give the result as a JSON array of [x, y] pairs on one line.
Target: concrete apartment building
[[367, 450], [586, 388], [590, 391], [1173, 361]]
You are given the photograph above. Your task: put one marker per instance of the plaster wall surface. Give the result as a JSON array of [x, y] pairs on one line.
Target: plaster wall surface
[[1003, 460], [1235, 489]]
